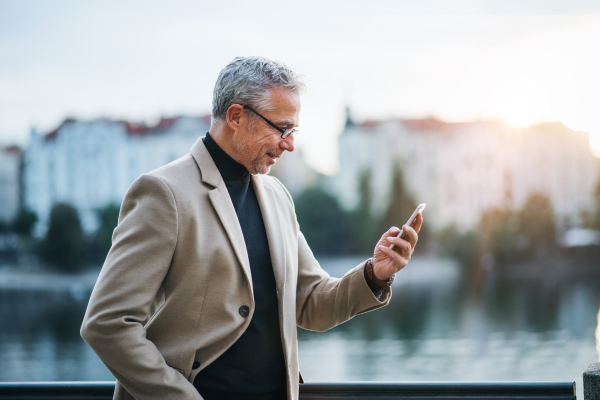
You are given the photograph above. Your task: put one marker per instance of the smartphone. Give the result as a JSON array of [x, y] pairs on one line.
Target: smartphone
[[411, 220]]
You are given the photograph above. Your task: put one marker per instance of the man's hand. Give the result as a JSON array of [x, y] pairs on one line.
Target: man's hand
[[387, 262]]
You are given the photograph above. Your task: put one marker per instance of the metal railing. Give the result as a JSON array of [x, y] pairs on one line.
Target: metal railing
[[329, 391]]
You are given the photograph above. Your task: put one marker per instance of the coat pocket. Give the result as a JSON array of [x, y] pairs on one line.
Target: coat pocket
[[154, 315]]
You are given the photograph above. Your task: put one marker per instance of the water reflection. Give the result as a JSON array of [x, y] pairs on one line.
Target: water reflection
[[598, 335], [437, 327], [36, 314], [438, 306], [39, 337]]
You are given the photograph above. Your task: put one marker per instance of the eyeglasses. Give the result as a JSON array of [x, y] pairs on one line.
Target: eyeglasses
[[284, 132]]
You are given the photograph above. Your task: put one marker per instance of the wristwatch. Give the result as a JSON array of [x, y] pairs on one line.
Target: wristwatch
[[384, 284]]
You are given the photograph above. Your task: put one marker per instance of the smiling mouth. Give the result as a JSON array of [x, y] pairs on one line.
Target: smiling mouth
[[273, 156]]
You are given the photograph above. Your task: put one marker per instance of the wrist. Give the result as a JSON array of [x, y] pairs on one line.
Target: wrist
[[370, 272]]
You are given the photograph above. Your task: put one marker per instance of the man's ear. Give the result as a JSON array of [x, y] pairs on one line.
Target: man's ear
[[235, 116]]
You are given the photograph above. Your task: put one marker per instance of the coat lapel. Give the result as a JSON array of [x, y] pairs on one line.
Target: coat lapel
[[268, 208], [221, 201]]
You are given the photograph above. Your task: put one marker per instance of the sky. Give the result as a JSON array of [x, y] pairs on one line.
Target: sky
[[457, 60]]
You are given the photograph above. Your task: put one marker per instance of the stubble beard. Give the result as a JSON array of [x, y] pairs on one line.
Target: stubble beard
[[258, 167], [254, 165]]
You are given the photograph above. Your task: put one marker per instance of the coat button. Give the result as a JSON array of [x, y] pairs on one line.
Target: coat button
[[244, 311], [195, 365]]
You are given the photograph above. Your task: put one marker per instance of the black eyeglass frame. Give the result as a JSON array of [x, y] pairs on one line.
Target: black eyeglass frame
[[285, 133]]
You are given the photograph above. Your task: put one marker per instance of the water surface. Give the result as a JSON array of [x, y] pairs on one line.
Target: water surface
[[437, 327]]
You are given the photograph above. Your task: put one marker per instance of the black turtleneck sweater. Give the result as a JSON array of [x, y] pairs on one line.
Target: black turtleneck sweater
[[254, 367]]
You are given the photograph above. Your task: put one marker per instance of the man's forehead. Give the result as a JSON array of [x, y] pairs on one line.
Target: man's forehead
[[283, 95], [286, 106]]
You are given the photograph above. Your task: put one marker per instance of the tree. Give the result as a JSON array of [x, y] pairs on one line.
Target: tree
[[538, 226], [364, 224], [24, 222], [64, 243], [519, 235], [326, 227], [401, 206], [463, 247], [102, 239], [499, 232], [596, 221]]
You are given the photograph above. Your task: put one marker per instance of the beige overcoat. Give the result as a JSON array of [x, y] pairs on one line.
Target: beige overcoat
[[170, 290]]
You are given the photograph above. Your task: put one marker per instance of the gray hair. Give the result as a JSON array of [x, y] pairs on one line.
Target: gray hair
[[249, 81]]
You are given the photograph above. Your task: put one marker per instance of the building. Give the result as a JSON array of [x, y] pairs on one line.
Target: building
[[10, 183], [90, 164], [295, 173], [462, 170]]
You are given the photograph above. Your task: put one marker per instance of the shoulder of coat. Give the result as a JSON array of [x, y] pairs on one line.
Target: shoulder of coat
[[180, 175]]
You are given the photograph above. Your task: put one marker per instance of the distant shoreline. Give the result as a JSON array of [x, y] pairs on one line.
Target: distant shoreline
[[559, 266], [13, 279], [421, 267]]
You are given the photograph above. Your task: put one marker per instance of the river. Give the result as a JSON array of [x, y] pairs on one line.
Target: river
[[437, 327]]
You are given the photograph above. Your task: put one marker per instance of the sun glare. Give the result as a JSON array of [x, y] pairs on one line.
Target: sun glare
[[595, 144], [593, 130], [521, 114]]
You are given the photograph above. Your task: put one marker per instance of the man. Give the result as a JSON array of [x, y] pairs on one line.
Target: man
[[208, 274]]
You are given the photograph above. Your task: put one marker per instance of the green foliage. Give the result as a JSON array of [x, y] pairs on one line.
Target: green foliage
[[331, 230], [102, 239], [23, 223], [401, 206], [64, 244], [328, 229], [538, 226], [364, 224], [500, 235], [596, 220], [508, 235], [463, 247]]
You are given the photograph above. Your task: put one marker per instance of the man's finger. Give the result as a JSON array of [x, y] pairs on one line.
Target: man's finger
[[403, 245], [393, 231], [396, 257], [418, 222], [410, 235]]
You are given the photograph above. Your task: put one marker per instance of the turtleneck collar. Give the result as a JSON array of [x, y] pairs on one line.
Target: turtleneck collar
[[227, 166]]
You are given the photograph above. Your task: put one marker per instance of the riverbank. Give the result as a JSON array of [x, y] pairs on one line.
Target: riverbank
[[559, 266], [44, 280], [421, 269]]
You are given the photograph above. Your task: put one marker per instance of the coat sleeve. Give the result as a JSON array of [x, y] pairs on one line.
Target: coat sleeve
[[121, 302], [323, 302]]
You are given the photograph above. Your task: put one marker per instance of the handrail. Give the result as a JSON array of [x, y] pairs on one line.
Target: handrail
[[318, 391], [438, 390]]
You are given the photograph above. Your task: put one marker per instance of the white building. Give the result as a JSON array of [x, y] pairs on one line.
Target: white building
[[90, 164], [10, 187], [294, 173], [464, 169]]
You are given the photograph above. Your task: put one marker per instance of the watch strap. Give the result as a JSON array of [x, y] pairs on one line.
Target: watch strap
[[384, 284]]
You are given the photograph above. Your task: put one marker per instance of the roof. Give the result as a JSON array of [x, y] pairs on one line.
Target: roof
[[12, 149], [53, 134], [133, 128], [424, 124]]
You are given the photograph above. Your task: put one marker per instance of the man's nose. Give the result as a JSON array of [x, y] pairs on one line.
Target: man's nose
[[288, 143]]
